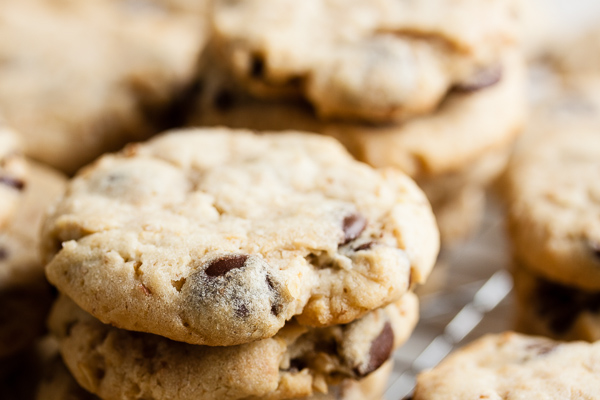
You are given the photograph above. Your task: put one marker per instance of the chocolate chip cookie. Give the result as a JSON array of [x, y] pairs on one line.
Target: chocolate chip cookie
[[297, 362], [375, 62], [59, 384], [513, 366], [218, 237]]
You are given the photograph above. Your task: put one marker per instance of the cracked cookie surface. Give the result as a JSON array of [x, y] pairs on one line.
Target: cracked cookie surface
[[218, 237], [298, 361]]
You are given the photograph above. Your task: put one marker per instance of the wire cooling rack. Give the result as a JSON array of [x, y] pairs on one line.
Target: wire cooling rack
[[466, 296]]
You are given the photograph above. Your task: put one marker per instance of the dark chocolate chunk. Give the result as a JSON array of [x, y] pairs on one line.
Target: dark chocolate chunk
[[353, 226], [595, 246], [365, 246], [223, 265], [241, 311], [482, 79], [257, 66], [3, 254], [12, 182], [381, 349], [560, 305], [297, 364], [224, 100], [276, 306]]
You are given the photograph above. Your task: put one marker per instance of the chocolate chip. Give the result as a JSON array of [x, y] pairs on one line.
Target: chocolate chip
[[3, 254], [595, 247], [353, 226], [223, 265], [561, 305], [482, 79], [381, 349], [542, 347], [297, 364], [365, 246], [257, 66], [12, 182], [241, 311], [276, 306], [224, 100]]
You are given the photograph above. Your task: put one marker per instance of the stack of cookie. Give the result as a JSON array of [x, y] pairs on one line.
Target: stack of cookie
[[214, 264], [554, 220], [435, 88], [553, 198]]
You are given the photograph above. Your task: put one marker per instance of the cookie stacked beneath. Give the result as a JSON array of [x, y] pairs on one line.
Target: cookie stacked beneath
[[435, 88], [216, 264]]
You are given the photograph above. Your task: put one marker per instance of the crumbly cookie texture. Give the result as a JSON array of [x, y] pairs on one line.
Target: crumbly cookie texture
[[513, 366], [218, 237], [298, 361], [12, 172], [81, 78], [555, 310], [375, 61], [554, 204], [59, 384], [24, 292]]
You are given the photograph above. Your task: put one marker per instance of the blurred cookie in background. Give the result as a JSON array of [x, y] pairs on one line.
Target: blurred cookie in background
[[24, 292], [509, 365], [81, 78]]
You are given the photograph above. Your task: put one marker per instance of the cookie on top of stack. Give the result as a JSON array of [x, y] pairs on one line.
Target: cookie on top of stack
[[434, 88], [82, 78], [212, 264], [514, 366]]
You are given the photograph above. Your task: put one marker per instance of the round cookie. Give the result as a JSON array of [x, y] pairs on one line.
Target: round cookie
[[24, 292], [59, 384], [81, 78], [554, 310], [372, 61], [218, 237], [297, 362], [554, 203], [513, 366], [12, 172]]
